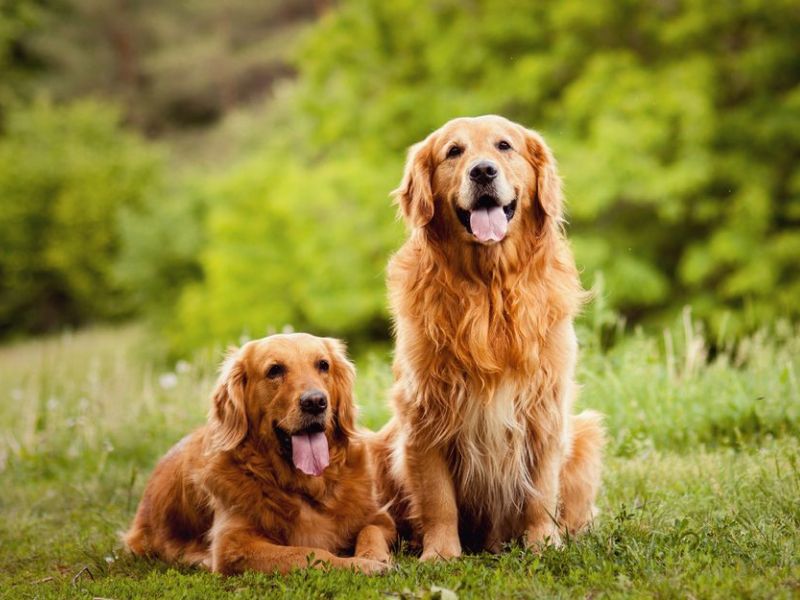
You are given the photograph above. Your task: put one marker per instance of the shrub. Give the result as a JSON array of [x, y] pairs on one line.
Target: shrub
[[292, 245], [676, 125], [65, 173]]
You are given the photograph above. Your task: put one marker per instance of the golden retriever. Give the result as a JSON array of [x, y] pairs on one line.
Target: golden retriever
[[277, 475], [483, 447]]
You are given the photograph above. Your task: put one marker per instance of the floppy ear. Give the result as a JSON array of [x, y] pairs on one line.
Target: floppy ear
[[343, 374], [549, 199], [228, 418], [414, 196]]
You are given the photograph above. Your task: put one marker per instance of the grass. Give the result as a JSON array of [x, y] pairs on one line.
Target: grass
[[701, 495]]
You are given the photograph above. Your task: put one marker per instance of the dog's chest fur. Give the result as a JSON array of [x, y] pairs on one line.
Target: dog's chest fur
[[333, 521], [490, 454], [317, 529]]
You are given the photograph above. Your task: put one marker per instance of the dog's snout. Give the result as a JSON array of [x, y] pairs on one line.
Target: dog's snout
[[313, 402], [483, 171]]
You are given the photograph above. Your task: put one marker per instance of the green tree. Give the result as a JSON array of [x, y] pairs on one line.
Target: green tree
[[19, 19], [291, 245], [676, 123], [65, 173], [677, 127], [169, 65], [161, 239]]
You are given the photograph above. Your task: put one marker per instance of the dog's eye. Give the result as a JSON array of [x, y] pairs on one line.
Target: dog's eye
[[454, 151], [503, 145], [324, 366], [275, 371]]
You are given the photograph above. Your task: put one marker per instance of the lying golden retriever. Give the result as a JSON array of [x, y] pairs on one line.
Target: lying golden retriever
[[277, 475], [483, 447]]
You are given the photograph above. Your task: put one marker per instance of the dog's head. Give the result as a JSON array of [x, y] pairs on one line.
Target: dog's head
[[477, 176], [291, 393]]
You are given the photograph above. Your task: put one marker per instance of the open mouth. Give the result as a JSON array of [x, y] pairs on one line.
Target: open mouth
[[306, 449], [488, 220]]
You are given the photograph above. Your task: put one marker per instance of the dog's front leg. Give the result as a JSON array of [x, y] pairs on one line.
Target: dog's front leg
[[433, 503], [541, 525], [374, 540], [237, 547]]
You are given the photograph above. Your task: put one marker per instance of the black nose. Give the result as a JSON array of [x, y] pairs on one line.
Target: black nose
[[313, 402], [483, 172]]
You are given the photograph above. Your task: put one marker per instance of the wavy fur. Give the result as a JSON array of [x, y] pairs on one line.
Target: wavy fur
[[485, 356], [227, 498]]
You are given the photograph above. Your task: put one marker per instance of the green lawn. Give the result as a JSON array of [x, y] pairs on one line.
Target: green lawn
[[701, 494]]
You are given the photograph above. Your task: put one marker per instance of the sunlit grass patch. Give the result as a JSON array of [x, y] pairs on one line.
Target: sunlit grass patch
[[700, 494]]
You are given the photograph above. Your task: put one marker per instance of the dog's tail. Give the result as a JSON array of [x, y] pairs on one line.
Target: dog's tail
[[582, 471]]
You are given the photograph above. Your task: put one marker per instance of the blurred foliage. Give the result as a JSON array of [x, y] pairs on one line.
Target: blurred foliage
[[65, 173], [18, 20], [161, 238], [676, 124], [170, 65], [293, 245]]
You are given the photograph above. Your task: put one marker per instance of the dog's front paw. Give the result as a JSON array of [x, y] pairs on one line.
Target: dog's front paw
[[441, 550], [538, 538], [377, 555], [368, 566]]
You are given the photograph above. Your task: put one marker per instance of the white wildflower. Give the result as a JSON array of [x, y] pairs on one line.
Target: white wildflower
[[167, 381]]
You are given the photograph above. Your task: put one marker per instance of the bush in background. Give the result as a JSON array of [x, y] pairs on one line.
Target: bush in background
[[677, 126], [65, 173], [161, 239], [292, 245], [171, 66]]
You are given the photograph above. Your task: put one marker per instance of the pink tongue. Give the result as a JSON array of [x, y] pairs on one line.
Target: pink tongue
[[310, 452], [488, 224]]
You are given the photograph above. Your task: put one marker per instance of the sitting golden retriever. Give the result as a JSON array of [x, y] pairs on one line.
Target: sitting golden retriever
[[277, 475], [483, 447]]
